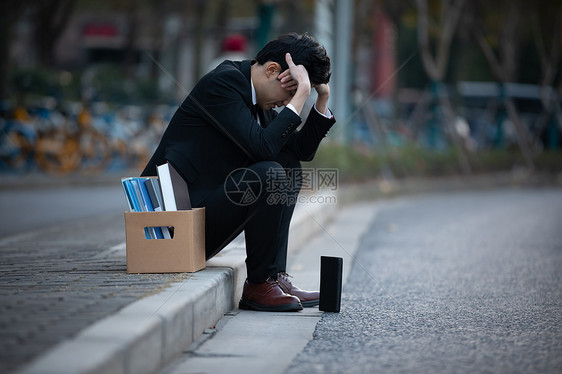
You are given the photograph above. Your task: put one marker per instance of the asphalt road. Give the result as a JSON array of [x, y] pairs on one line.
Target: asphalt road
[[451, 283], [23, 210]]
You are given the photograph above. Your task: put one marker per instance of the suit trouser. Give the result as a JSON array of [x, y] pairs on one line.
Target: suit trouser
[[259, 200]]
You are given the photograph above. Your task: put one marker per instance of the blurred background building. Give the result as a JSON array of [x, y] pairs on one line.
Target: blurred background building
[[420, 87]]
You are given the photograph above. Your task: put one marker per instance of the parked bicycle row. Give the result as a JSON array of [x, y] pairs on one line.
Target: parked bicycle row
[[77, 137]]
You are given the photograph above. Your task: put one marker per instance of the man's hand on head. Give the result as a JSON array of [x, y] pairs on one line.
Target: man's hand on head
[[296, 79], [295, 73], [287, 81], [323, 91]]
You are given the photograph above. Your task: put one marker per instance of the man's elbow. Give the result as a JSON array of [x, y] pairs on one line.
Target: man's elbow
[[309, 157], [268, 152]]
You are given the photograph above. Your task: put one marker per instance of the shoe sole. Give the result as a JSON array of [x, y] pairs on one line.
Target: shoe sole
[[249, 305], [310, 303]]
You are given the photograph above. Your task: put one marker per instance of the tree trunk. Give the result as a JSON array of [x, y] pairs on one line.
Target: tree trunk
[[550, 59], [222, 17], [131, 39], [450, 119], [199, 35], [504, 69], [436, 66], [158, 15], [9, 13], [51, 18]]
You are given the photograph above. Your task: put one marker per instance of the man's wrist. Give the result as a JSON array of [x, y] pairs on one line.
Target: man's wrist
[[299, 99], [303, 90], [322, 105]]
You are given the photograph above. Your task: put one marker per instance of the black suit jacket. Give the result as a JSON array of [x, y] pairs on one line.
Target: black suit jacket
[[213, 132]]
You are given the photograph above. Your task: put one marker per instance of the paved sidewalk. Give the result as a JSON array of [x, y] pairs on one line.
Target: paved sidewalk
[[58, 281], [68, 305]]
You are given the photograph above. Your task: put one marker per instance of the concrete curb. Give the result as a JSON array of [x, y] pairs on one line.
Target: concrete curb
[[145, 336]]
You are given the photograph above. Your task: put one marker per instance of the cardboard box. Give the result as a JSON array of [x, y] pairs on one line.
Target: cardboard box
[[185, 252]]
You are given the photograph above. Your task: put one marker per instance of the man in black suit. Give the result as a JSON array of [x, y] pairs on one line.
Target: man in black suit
[[236, 153]]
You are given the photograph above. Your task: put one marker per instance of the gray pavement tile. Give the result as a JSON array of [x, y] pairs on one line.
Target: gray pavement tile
[[51, 287]]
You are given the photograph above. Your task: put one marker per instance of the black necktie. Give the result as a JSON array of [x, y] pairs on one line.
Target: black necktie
[[255, 111]]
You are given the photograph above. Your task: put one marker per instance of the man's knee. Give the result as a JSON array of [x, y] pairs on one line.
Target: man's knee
[[255, 182], [267, 171], [276, 183]]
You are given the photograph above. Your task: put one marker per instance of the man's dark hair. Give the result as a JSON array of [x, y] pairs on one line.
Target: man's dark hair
[[304, 50]]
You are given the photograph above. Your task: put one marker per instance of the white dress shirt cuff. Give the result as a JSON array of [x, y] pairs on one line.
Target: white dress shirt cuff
[[328, 113], [290, 106]]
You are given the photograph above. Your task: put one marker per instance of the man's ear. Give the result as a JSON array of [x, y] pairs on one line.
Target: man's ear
[[272, 69]]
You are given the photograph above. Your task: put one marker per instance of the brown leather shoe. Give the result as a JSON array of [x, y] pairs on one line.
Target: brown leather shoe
[[307, 298], [268, 297]]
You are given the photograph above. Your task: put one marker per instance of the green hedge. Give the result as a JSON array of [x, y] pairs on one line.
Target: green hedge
[[414, 161]]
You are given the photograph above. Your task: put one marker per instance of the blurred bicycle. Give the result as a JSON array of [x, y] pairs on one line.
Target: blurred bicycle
[[17, 144], [67, 145]]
